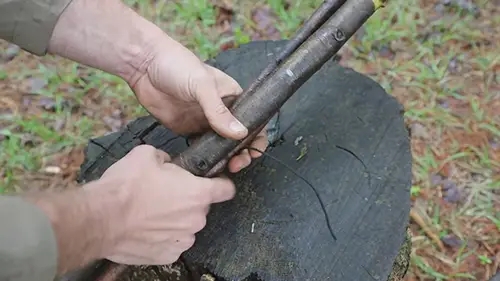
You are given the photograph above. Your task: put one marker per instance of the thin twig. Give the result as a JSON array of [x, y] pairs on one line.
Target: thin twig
[[420, 221]]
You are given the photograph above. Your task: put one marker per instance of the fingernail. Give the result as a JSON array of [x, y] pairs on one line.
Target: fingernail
[[236, 126], [242, 166]]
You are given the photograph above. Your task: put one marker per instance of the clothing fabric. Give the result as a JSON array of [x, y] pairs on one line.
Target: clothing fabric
[[28, 246], [30, 23]]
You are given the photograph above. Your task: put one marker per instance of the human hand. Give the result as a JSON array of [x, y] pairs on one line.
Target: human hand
[[186, 95], [169, 80], [162, 207]]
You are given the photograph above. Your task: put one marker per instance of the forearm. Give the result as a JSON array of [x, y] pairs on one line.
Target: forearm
[[107, 35], [81, 221]]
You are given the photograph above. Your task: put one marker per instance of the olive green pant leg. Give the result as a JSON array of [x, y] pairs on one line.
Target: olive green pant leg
[[28, 247]]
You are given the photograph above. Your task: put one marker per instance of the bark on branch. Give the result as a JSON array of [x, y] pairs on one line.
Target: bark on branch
[[208, 155]]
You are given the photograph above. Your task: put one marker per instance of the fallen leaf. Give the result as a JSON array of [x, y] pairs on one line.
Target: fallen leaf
[[47, 103], [10, 53], [387, 53], [59, 124], [419, 131], [265, 21], [88, 112], [462, 4], [451, 191], [494, 145], [451, 241], [113, 123], [453, 65], [8, 105], [436, 179], [225, 11], [36, 84]]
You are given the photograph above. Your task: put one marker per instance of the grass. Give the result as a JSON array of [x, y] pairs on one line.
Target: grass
[[441, 62]]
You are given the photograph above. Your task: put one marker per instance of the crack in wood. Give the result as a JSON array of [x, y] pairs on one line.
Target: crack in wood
[[105, 149]]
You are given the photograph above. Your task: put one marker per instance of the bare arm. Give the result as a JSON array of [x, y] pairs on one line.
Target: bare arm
[[81, 222], [108, 35], [143, 210]]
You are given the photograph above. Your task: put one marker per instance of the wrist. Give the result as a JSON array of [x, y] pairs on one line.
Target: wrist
[[108, 200], [106, 35], [82, 222]]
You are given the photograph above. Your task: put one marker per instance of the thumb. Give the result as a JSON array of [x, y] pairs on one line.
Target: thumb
[[221, 189], [162, 156], [218, 115]]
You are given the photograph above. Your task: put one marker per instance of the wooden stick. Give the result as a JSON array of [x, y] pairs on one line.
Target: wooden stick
[[257, 108], [318, 18]]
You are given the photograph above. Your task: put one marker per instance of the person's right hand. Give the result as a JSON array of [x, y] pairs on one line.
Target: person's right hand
[[163, 206]]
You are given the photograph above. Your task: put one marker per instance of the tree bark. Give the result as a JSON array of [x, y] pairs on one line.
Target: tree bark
[[318, 18]]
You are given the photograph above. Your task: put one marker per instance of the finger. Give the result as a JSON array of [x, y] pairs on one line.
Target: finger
[[131, 259], [260, 143], [227, 85], [221, 189], [162, 253], [206, 209], [137, 253], [184, 242], [162, 156], [145, 152], [218, 115], [220, 118], [193, 220], [197, 122], [240, 161]]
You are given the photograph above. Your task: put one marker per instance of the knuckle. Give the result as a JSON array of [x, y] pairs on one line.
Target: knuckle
[[226, 187], [199, 223], [221, 108], [192, 86], [188, 242], [195, 80], [202, 195], [143, 149], [201, 198]]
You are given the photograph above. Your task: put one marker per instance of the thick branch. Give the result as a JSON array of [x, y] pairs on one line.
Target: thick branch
[[272, 93], [318, 18]]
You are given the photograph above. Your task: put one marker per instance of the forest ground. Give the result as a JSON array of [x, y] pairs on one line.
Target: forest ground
[[439, 58]]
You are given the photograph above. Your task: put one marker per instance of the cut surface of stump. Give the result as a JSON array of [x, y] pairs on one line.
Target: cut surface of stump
[[342, 133]]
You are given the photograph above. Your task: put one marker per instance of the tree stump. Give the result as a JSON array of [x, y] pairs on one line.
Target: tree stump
[[342, 133]]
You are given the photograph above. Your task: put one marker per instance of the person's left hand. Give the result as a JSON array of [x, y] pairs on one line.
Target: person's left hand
[[186, 94]]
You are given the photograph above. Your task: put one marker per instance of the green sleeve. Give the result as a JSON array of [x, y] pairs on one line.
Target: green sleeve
[[30, 23], [28, 247]]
